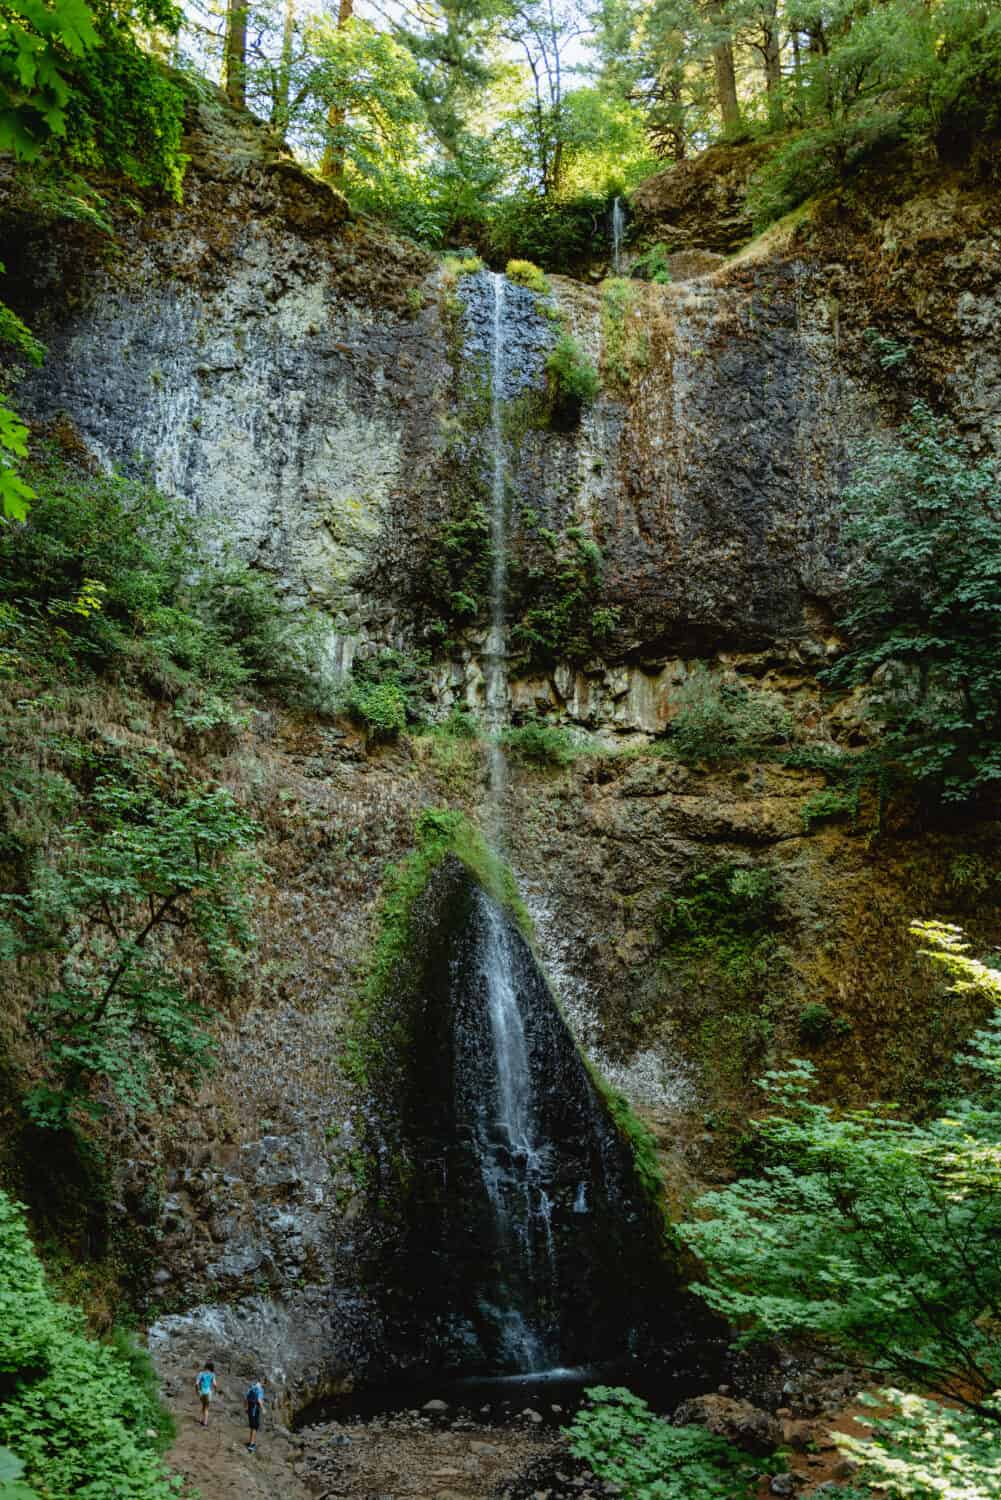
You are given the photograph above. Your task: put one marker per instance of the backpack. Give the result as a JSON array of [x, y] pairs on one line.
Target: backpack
[[253, 1396], [205, 1383]]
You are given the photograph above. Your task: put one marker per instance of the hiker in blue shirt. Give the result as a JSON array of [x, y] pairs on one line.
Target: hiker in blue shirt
[[205, 1386], [254, 1400]]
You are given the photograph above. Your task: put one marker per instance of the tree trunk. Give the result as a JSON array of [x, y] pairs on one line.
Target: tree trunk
[[726, 78], [280, 113], [332, 166], [773, 64], [236, 52]]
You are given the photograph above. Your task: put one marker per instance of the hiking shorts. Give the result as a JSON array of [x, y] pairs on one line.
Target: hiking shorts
[[254, 1418]]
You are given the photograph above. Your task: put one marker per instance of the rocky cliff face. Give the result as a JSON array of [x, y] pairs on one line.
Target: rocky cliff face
[[313, 391], [302, 384]]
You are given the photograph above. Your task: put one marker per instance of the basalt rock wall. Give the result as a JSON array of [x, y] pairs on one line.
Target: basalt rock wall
[[303, 384]]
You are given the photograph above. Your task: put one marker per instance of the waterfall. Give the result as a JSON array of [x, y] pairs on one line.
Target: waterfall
[[495, 656], [512, 1154], [618, 230], [523, 1243], [513, 1157]]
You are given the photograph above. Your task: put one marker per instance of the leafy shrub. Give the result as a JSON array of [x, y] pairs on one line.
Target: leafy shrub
[[100, 901], [279, 652], [386, 692], [719, 720], [723, 901], [524, 273], [571, 382], [872, 1232], [537, 743], [815, 161], [927, 1451], [70, 1408], [830, 802], [557, 234], [461, 265], [923, 628], [817, 1023], [109, 576], [557, 616], [652, 266], [649, 1459]]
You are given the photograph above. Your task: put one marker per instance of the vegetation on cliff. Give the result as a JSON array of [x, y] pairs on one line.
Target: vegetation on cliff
[[82, 1416], [122, 865], [881, 1235]]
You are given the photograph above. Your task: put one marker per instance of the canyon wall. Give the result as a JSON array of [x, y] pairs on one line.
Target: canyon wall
[[307, 386]]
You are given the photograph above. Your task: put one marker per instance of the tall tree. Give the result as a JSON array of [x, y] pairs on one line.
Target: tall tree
[[726, 75], [333, 154], [235, 53]]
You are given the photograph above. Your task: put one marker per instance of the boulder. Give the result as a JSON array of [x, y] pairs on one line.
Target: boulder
[[739, 1422]]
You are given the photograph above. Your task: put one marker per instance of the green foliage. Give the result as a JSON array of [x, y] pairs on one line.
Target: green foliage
[[817, 1024], [926, 1451], [723, 956], [537, 743], [829, 803], [556, 233], [923, 629], [101, 901], [77, 87], [38, 45], [71, 1409], [458, 566], [571, 381], [555, 599], [125, 114], [15, 492], [652, 266], [524, 273], [647, 1458], [455, 266], [625, 345], [387, 692], [719, 720], [110, 577], [877, 1234], [12, 1486], [728, 913]]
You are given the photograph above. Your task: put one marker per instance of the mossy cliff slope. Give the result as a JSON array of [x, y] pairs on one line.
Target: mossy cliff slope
[[307, 387]]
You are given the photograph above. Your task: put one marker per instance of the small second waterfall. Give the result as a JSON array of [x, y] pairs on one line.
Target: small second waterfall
[[618, 233]]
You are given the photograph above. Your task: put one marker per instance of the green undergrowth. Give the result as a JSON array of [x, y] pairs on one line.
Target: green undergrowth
[[388, 692], [642, 1146], [625, 341], [440, 833], [646, 1457], [723, 962], [111, 579], [81, 1416]]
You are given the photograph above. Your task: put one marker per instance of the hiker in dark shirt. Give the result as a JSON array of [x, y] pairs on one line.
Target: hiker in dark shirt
[[254, 1401]]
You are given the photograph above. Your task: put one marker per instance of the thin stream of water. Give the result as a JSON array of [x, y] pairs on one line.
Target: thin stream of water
[[618, 232]]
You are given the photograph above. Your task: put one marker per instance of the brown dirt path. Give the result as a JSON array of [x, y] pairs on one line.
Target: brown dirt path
[[213, 1460]]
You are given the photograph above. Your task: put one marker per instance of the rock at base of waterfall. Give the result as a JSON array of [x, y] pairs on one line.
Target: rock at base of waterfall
[[435, 1406], [747, 1426]]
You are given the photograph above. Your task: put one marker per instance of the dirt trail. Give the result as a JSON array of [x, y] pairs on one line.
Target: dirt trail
[[213, 1459]]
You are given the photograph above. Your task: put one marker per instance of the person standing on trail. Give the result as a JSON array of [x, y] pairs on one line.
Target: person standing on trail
[[254, 1400], [205, 1385]]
